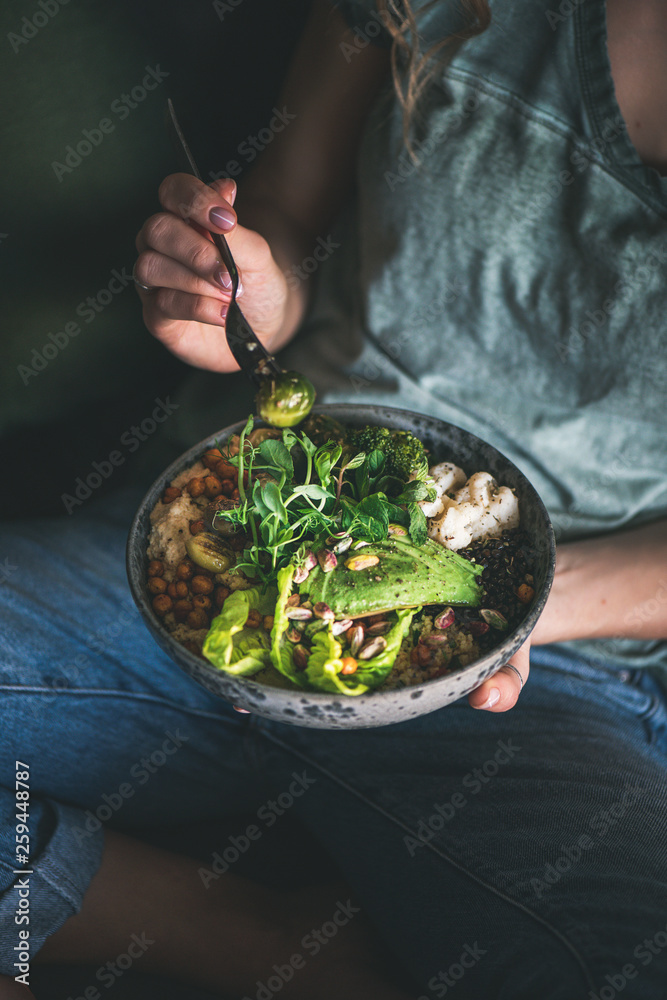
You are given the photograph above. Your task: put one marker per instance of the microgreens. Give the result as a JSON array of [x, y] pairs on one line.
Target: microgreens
[[295, 494]]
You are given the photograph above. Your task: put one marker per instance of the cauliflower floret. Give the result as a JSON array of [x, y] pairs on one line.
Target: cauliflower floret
[[171, 528], [480, 509], [446, 477]]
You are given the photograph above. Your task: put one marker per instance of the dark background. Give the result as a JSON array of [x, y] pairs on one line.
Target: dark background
[[60, 240], [62, 234]]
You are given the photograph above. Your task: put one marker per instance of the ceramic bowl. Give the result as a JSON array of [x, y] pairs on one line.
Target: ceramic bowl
[[378, 708]]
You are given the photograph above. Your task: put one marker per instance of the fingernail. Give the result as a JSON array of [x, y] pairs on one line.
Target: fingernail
[[232, 197], [222, 277], [222, 218], [493, 699]]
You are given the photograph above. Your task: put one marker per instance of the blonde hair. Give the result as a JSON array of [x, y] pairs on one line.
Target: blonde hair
[[412, 69]]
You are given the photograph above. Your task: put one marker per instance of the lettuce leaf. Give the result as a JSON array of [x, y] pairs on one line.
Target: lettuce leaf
[[232, 647], [241, 651], [281, 647], [324, 663]]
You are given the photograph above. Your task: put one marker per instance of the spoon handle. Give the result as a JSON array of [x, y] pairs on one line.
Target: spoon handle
[[246, 349]]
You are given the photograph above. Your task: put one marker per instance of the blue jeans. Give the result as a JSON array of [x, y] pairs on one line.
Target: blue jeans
[[507, 856]]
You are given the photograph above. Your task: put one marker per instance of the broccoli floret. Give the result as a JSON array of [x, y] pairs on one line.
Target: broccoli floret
[[404, 453]]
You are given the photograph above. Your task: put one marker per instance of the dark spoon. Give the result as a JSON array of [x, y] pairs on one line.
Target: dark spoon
[[283, 398]]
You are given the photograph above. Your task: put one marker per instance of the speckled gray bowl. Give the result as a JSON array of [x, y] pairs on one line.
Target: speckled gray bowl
[[379, 708]]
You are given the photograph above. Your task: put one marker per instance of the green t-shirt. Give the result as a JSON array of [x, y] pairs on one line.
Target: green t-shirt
[[514, 284]]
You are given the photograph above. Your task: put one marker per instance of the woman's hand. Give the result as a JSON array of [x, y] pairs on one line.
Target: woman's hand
[[612, 587], [501, 692], [188, 298]]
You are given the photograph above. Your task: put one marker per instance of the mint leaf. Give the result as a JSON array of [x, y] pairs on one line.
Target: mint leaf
[[418, 527]]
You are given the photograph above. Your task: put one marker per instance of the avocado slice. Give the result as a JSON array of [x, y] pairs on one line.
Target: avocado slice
[[406, 575]]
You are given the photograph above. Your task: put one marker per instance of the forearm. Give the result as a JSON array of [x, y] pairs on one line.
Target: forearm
[[611, 587]]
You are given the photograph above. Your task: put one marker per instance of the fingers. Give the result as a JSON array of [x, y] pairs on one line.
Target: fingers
[[210, 206], [164, 239], [501, 692], [167, 303], [158, 271]]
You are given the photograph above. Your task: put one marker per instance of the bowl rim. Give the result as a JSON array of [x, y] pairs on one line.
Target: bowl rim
[[525, 626]]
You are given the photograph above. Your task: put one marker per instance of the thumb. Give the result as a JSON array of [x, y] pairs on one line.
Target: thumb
[[226, 188], [501, 692]]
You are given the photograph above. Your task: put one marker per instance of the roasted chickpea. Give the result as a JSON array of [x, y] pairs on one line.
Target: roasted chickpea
[[171, 493], [155, 567], [201, 601], [156, 585], [254, 619], [201, 584], [227, 487], [224, 470], [182, 609], [525, 593], [162, 604], [212, 487], [211, 458], [185, 570], [268, 622], [196, 527], [235, 493], [220, 596], [178, 589], [195, 486], [197, 619]]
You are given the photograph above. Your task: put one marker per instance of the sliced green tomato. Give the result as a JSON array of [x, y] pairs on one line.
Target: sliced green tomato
[[284, 400]]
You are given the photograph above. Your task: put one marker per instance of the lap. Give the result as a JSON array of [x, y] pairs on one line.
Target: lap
[[525, 851], [88, 697], [536, 840]]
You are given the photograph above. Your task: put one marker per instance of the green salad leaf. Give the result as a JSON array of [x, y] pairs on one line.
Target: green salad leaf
[[234, 648]]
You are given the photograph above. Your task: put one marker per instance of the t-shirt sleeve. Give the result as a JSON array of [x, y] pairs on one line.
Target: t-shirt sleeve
[[365, 19]]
